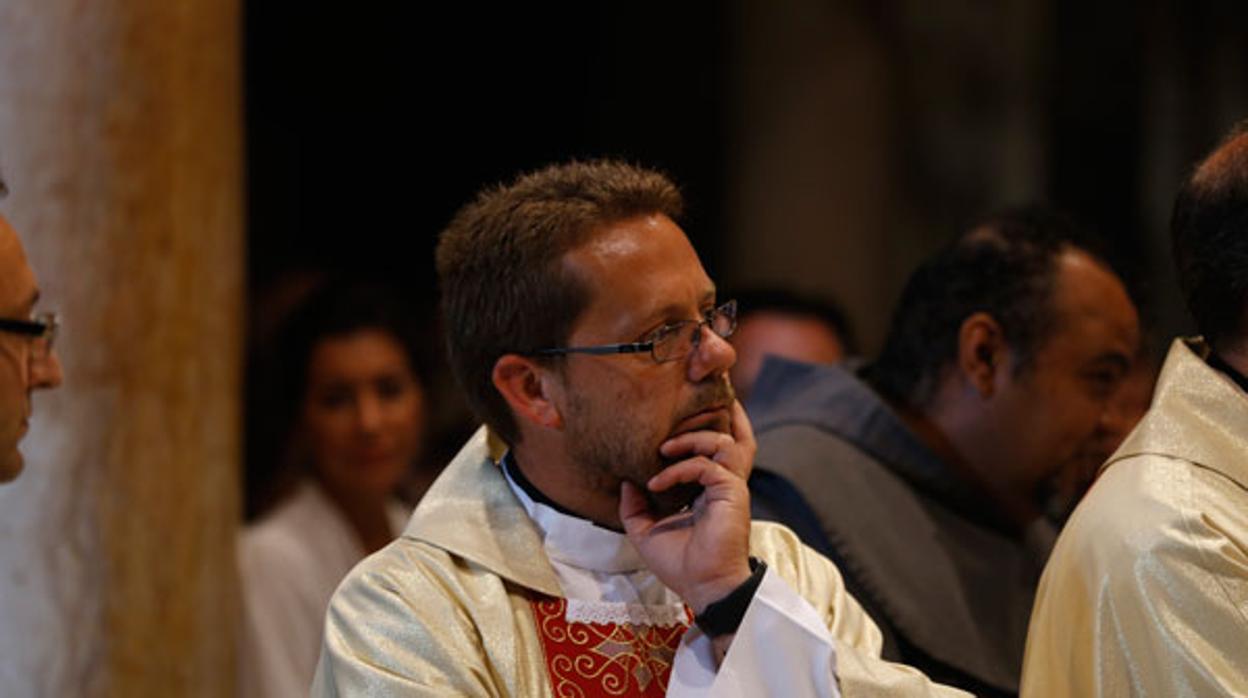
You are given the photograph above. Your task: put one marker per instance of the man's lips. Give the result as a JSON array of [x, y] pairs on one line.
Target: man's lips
[[714, 416]]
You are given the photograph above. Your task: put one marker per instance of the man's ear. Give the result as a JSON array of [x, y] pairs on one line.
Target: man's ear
[[529, 389], [982, 352]]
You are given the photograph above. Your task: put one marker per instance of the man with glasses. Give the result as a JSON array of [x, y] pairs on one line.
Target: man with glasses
[[27, 361], [594, 538]]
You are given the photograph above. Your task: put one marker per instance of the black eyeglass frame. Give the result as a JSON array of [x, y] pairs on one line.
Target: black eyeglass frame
[[43, 326], [727, 309]]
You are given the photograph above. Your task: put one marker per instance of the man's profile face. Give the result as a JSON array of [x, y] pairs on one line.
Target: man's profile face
[[1059, 405], [18, 374], [642, 274], [1125, 409]]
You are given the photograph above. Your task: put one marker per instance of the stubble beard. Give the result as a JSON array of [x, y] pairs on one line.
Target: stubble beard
[[613, 448]]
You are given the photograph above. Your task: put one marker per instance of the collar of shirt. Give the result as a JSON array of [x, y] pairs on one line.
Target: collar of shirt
[[568, 538], [599, 570]]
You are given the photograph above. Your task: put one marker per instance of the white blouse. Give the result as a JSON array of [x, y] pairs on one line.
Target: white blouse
[[290, 562]]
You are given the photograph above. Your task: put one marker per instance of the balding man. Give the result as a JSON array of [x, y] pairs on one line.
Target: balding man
[[924, 474]]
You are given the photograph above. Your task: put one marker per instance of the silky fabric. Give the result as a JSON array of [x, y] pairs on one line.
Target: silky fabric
[[1146, 593], [446, 609], [289, 563]]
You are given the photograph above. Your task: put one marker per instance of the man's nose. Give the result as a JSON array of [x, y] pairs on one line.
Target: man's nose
[[713, 355], [46, 372]]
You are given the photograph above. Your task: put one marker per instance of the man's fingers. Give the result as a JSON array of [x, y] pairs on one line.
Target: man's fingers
[[735, 451], [696, 443], [743, 435], [742, 430], [634, 512], [699, 469]]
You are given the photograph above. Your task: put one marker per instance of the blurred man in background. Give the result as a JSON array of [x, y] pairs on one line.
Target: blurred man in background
[[773, 322], [925, 475], [1126, 408]]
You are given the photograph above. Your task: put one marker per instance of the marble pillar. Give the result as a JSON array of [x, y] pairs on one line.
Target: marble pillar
[[813, 206], [120, 139]]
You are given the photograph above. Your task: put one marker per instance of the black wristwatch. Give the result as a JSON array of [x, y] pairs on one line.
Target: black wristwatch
[[724, 616]]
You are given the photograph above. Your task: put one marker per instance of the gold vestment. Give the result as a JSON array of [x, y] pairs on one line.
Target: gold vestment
[[445, 610]]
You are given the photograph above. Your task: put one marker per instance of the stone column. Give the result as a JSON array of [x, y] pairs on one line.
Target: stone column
[[813, 206], [120, 138]]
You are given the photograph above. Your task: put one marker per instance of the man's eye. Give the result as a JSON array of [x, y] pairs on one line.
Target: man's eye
[[662, 333], [1104, 383]]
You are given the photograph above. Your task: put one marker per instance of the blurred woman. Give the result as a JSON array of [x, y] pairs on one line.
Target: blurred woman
[[355, 415]]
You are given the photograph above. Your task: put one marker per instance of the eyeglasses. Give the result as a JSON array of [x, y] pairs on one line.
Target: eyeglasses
[[41, 329], [668, 343]]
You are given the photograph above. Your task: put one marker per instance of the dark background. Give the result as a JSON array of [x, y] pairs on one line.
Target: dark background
[[369, 125], [368, 129]]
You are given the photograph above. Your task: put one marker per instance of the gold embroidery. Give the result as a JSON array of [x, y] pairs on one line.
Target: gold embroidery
[[595, 659]]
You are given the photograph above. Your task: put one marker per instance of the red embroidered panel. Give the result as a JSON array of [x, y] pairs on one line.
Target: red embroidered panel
[[586, 660]]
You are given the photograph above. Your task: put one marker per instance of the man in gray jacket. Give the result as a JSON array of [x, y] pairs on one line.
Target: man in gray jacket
[[923, 475]]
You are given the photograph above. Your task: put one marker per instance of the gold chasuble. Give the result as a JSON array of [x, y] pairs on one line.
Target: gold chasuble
[[466, 603], [1146, 593]]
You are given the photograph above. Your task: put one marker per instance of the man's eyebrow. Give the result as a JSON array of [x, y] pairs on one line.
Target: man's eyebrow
[[672, 310]]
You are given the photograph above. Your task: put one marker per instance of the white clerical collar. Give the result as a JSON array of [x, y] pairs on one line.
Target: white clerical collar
[[572, 540]]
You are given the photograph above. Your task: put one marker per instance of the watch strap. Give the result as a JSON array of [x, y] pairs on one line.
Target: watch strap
[[724, 616]]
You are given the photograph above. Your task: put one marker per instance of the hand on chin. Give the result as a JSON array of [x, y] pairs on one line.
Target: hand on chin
[[700, 554]]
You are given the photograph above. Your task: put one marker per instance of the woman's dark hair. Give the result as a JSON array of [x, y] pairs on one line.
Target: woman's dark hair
[[337, 309], [279, 376]]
